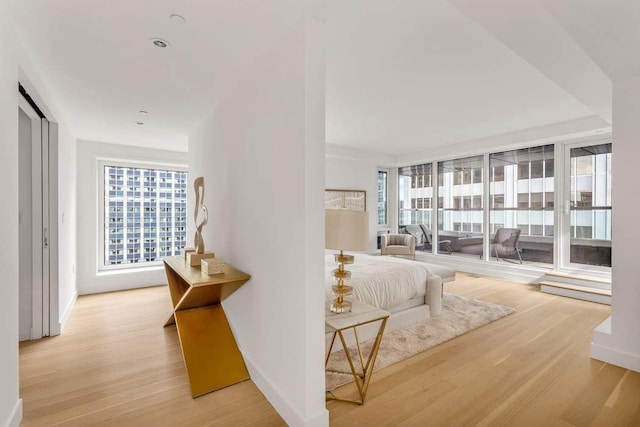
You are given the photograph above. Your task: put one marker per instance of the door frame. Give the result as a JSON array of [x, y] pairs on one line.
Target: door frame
[[45, 311], [564, 261]]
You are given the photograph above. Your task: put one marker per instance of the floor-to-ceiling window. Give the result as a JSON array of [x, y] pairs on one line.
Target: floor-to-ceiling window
[[590, 205], [521, 193], [415, 197], [547, 205], [460, 205]]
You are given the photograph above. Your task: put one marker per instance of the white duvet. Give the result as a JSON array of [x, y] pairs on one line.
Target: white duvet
[[380, 281]]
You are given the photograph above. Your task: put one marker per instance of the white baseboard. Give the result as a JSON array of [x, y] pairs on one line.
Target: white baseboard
[[16, 415], [284, 408], [616, 357], [503, 269], [571, 293], [601, 349], [67, 310]]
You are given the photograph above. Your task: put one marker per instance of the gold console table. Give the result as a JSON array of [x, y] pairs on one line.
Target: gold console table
[[209, 349]]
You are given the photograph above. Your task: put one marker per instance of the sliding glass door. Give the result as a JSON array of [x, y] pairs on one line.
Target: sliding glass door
[[587, 212]]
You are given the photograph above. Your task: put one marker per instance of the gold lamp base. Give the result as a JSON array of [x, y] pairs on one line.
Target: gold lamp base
[[339, 305]]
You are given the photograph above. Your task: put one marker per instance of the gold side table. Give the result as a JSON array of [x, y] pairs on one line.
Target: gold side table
[[211, 355], [361, 314]]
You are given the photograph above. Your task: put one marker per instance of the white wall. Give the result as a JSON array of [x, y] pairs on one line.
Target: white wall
[[67, 289], [262, 156], [16, 65], [10, 405], [353, 169], [617, 340], [89, 280], [356, 172]]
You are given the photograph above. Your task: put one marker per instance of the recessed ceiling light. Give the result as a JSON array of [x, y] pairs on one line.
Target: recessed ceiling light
[[178, 19], [139, 123], [158, 42], [143, 112]]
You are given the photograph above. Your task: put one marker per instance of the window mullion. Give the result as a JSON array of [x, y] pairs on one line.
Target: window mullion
[[486, 239]]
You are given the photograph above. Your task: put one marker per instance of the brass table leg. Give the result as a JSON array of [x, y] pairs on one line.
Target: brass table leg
[[361, 377]]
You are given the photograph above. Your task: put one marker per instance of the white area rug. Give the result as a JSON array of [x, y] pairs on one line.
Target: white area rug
[[459, 316]]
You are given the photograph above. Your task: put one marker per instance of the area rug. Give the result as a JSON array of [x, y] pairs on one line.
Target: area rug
[[459, 316]]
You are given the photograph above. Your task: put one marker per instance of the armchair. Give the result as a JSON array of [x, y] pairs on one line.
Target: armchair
[[424, 238], [446, 244], [504, 244], [398, 244]]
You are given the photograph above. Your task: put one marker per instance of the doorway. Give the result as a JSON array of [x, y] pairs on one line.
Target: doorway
[[587, 214], [37, 222]]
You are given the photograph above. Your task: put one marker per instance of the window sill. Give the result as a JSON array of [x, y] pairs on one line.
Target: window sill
[[130, 270]]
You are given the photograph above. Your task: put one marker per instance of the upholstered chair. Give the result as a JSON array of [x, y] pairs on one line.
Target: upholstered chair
[[398, 244], [444, 244], [503, 245]]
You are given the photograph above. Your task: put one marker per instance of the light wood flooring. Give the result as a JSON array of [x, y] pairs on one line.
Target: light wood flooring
[[116, 365]]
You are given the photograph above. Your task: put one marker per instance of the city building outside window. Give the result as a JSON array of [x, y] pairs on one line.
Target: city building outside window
[[590, 205], [460, 210], [144, 214], [383, 180], [523, 198], [415, 193]]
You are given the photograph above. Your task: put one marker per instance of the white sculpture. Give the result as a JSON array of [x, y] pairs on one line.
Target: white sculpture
[[198, 185]]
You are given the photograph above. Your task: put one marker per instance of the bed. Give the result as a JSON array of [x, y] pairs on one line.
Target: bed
[[407, 289]]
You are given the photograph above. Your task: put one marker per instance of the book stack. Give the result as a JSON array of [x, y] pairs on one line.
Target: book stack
[[212, 266]]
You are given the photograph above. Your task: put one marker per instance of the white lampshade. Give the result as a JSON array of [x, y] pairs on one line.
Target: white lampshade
[[346, 230]]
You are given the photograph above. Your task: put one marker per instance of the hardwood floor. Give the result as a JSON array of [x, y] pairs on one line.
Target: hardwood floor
[[116, 365], [529, 369]]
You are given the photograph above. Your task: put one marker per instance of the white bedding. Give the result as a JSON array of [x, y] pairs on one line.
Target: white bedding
[[380, 281]]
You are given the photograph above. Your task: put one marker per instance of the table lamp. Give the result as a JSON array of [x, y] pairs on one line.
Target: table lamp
[[344, 230]]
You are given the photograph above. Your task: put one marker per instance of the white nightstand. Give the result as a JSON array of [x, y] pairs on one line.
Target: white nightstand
[[361, 314]]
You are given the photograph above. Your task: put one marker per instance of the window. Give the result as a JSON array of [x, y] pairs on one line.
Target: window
[[521, 194], [150, 217], [383, 178], [525, 194], [537, 169], [591, 205], [461, 190], [415, 194]]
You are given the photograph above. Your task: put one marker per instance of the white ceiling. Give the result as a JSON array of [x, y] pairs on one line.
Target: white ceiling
[[402, 76], [608, 31], [102, 69]]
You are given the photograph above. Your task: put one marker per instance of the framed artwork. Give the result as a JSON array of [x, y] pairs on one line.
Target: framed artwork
[[353, 200]]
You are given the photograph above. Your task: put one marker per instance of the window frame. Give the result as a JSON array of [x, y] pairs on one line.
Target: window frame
[[564, 260], [558, 204], [101, 163], [386, 200]]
